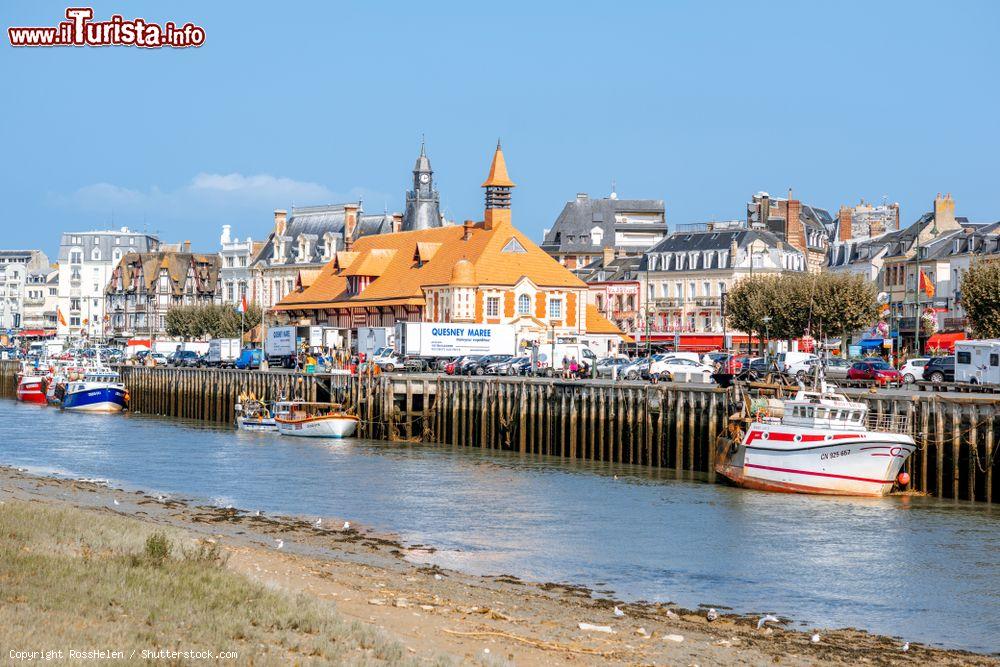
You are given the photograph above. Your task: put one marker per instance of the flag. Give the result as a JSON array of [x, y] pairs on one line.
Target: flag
[[59, 316], [926, 285], [242, 307]]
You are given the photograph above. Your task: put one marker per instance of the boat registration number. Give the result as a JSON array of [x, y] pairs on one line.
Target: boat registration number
[[834, 455]]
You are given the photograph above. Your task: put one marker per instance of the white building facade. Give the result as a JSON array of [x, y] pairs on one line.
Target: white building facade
[[86, 261], [15, 266], [235, 279]]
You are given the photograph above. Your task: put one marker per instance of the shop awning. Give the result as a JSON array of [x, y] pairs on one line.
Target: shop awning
[[871, 343], [701, 343], [35, 332], [944, 341]]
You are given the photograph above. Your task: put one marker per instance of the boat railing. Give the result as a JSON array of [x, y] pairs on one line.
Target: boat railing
[[888, 423]]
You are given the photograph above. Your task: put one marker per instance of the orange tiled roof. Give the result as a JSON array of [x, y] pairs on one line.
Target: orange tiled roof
[[400, 278], [498, 171], [598, 324]]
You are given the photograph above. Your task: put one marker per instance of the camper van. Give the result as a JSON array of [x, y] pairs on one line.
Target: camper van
[[977, 361]]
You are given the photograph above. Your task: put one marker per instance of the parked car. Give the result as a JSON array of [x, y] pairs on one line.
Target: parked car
[[479, 367], [635, 370], [792, 363], [465, 366], [606, 367], [453, 365], [249, 359], [677, 367], [185, 359], [874, 369], [713, 358], [836, 369], [512, 366], [755, 368], [913, 369], [940, 369]]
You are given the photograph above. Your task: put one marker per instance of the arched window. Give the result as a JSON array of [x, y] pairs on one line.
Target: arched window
[[523, 304], [96, 254], [117, 254]]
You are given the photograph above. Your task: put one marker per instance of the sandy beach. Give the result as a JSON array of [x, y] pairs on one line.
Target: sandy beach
[[445, 615]]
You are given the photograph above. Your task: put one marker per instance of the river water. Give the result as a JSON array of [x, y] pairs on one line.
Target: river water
[[923, 569]]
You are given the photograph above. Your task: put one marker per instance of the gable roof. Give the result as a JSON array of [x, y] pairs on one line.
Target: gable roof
[[572, 229], [177, 265], [401, 279]]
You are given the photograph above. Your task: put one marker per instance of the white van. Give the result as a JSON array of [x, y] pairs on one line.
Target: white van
[[977, 361], [793, 362]]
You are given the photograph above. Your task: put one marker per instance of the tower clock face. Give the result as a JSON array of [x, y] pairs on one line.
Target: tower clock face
[[424, 178]]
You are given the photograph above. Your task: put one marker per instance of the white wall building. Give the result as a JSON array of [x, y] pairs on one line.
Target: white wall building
[[40, 297], [15, 265], [86, 261], [234, 275]]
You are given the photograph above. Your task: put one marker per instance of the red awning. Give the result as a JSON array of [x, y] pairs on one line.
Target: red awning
[[34, 332], [944, 341], [701, 343], [139, 342]]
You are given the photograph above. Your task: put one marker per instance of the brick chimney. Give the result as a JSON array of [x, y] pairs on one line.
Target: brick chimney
[[467, 229], [795, 232], [186, 246], [350, 221], [944, 213], [609, 255], [397, 222], [844, 224], [280, 222], [734, 251]]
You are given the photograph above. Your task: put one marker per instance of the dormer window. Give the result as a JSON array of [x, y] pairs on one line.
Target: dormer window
[[329, 246], [304, 249]]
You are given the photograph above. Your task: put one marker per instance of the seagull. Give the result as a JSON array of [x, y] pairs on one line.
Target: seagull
[[765, 619], [319, 522], [347, 525], [815, 638], [116, 501], [906, 647], [712, 615], [619, 612], [280, 544]]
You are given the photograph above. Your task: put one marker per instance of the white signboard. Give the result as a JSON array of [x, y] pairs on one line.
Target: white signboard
[[315, 336], [457, 339]]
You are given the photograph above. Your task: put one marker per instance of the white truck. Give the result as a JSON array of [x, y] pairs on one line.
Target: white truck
[[424, 345], [551, 356], [223, 352], [279, 346], [372, 339], [977, 361]]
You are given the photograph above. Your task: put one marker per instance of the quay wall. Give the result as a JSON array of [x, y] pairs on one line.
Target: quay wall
[[666, 426]]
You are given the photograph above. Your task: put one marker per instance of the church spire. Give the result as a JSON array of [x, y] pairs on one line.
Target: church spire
[[498, 186]]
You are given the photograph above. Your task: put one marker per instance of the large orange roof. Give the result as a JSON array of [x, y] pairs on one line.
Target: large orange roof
[[598, 324], [500, 256]]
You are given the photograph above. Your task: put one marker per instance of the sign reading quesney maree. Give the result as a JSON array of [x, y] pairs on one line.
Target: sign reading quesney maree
[[443, 339]]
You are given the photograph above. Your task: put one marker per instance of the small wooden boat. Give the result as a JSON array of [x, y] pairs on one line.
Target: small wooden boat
[[253, 414], [315, 420]]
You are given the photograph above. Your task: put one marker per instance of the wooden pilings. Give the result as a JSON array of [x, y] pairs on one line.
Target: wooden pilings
[[666, 426]]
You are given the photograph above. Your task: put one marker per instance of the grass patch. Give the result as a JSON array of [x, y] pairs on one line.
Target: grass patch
[[79, 579]]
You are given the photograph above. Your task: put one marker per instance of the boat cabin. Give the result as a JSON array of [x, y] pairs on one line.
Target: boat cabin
[[824, 410]]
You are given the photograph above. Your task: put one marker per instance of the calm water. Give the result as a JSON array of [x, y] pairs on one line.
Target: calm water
[[923, 569]]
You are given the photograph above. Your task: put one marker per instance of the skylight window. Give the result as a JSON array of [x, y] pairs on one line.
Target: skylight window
[[513, 246]]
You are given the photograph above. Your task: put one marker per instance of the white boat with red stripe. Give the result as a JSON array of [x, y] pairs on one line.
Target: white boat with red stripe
[[817, 442]]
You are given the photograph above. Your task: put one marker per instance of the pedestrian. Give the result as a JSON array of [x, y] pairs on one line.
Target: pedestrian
[[574, 367]]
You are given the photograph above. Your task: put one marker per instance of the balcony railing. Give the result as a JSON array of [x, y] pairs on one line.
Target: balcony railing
[[707, 301], [955, 323]]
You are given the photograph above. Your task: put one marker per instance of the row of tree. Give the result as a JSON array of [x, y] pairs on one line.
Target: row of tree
[[981, 298], [792, 305], [211, 321]]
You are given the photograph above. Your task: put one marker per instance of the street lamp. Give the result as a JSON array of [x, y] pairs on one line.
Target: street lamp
[[767, 337], [722, 311]]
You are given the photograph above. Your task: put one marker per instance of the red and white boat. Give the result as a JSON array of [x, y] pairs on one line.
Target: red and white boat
[[32, 383], [816, 442]]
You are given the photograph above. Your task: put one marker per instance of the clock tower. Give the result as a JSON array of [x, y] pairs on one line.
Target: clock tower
[[422, 202]]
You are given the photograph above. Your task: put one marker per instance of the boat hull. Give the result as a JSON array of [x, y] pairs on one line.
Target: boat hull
[[318, 427], [31, 390], [104, 399], [255, 424], [797, 461]]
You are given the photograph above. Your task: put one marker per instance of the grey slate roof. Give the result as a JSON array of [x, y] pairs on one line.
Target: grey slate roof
[[314, 222], [571, 231], [620, 268], [708, 240]]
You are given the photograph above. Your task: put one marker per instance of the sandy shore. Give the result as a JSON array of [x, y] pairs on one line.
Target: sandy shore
[[376, 580]]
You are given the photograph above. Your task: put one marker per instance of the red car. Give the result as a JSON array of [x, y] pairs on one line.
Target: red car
[[874, 369]]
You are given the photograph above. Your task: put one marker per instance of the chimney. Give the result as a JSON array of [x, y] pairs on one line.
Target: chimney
[[224, 239], [350, 221], [734, 251], [397, 222], [186, 246], [944, 213], [467, 229], [280, 222], [609, 255], [795, 232], [844, 221]]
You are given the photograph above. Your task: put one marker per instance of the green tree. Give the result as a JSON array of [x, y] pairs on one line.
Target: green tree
[[211, 320], [981, 298]]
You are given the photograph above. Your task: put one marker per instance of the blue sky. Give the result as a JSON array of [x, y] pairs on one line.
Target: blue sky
[[698, 103]]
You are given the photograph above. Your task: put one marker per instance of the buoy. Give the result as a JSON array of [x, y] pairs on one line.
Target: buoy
[[903, 478]]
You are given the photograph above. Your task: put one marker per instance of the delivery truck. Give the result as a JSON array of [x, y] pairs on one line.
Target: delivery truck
[[425, 345], [222, 352], [279, 346], [372, 339]]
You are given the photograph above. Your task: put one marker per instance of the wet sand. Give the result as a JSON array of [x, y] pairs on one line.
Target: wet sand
[[375, 579]]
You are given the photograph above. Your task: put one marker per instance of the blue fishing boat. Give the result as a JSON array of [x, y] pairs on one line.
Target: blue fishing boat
[[100, 390]]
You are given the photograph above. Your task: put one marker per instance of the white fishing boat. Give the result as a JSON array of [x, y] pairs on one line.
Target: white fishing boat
[[815, 442], [315, 420], [254, 415]]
